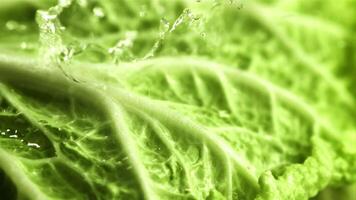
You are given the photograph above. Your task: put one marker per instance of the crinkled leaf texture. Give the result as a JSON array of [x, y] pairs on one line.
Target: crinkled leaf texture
[[167, 128], [251, 106]]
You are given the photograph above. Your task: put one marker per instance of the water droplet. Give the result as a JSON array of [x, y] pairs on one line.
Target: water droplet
[[46, 15], [122, 47], [15, 26], [178, 21], [83, 3], [51, 41], [143, 11], [35, 145], [163, 27], [23, 45], [187, 16], [223, 114], [203, 34], [65, 3], [99, 12], [66, 54]]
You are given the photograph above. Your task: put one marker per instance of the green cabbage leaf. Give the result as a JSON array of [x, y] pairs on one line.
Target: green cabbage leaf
[[177, 99]]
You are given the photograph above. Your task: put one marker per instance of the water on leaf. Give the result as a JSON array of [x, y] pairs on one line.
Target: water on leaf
[[98, 12], [35, 145], [15, 26], [121, 50], [23, 45], [83, 3], [163, 27]]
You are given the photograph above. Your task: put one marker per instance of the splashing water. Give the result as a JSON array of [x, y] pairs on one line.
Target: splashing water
[[122, 47], [165, 29], [53, 50]]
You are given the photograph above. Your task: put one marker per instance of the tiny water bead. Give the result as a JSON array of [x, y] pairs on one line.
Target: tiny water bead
[[15, 134], [9, 132], [15, 26], [83, 3], [66, 55], [223, 114], [143, 11], [23, 45], [203, 34], [65, 3], [98, 12], [35, 145], [20, 136]]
